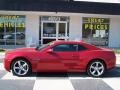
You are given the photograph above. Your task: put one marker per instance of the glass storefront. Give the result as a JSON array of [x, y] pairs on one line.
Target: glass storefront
[[49, 29], [53, 28], [12, 30], [96, 30]]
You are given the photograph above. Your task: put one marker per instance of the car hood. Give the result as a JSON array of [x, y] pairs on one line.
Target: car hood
[[22, 50]]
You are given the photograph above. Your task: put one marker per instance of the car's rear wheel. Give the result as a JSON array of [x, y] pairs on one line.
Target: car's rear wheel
[[21, 67], [96, 68]]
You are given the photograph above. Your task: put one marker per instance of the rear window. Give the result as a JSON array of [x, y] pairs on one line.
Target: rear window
[[81, 48]]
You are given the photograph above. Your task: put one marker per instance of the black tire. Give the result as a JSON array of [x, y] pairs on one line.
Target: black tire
[[94, 72], [28, 67]]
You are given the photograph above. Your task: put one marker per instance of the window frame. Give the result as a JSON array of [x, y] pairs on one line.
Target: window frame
[[77, 49]]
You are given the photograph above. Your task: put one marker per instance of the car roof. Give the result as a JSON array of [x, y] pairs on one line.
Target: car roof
[[71, 41]]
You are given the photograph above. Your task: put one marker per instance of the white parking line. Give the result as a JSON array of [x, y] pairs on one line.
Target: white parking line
[[1, 66], [53, 84], [114, 83], [81, 77], [9, 76]]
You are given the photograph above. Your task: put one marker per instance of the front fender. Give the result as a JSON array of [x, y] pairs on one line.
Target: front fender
[[10, 57]]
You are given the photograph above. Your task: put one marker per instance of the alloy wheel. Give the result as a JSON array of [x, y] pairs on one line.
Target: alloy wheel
[[20, 68], [96, 69]]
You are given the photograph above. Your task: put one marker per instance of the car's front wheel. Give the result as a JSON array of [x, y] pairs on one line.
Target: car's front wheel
[[96, 68], [20, 67]]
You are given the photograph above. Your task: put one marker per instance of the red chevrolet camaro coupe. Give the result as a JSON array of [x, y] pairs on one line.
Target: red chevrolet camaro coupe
[[60, 56]]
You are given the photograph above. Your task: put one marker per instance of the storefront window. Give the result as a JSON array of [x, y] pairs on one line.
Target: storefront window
[[20, 36], [2, 31], [9, 37], [96, 30], [61, 32], [49, 29], [12, 30]]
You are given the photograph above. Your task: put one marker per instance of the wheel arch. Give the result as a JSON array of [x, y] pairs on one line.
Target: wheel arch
[[97, 59], [16, 58]]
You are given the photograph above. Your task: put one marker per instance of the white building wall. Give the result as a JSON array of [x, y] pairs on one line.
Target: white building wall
[[32, 30], [75, 28], [114, 34], [75, 25]]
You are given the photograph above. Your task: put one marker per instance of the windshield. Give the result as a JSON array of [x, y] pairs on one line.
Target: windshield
[[44, 46]]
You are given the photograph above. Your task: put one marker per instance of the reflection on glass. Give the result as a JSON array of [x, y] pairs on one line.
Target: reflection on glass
[[67, 29], [61, 39], [62, 28], [20, 36], [96, 31], [45, 41], [9, 36], [96, 37], [2, 42], [49, 29], [12, 30]]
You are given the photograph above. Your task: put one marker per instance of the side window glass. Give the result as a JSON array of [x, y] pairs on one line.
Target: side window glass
[[66, 47], [81, 48], [61, 48], [74, 47]]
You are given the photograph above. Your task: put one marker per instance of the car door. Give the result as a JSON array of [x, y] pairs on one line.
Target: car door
[[68, 55], [62, 57]]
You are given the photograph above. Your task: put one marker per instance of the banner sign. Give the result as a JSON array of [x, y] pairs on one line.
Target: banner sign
[[54, 18], [95, 23], [12, 21]]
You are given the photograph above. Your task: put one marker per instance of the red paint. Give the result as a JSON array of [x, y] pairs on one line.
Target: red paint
[[46, 61]]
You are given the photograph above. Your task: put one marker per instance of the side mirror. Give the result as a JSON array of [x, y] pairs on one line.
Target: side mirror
[[50, 51], [37, 48]]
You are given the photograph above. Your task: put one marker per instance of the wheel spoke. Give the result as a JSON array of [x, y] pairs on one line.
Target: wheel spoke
[[92, 67], [97, 64], [24, 65], [16, 67], [98, 72], [24, 70], [19, 63], [93, 72], [101, 67], [19, 72]]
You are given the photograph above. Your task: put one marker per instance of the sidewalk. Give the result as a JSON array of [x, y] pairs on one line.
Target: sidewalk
[[2, 55]]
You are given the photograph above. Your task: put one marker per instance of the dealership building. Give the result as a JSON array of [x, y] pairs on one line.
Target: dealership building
[[36, 22]]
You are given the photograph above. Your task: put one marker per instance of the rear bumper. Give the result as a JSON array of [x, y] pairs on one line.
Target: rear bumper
[[111, 64]]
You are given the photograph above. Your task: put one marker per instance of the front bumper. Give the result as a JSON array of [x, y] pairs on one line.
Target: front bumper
[[7, 64]]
